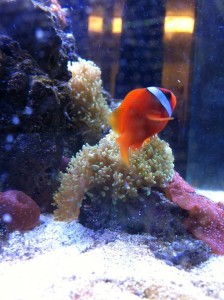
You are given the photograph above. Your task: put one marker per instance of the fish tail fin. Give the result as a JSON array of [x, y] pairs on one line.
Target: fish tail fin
[[114, 120], [124, 151]]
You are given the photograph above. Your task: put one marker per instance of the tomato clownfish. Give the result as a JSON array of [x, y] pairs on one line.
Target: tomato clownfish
[[143, 113]]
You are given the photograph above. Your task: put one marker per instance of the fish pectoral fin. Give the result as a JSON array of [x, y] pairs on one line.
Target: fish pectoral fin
[[147, 140], [159, 119]]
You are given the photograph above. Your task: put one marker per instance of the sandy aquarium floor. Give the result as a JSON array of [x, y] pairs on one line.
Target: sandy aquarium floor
[[59, 261]]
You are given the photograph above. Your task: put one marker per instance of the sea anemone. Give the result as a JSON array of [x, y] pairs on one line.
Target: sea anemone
[[99, 169], [88, 110]]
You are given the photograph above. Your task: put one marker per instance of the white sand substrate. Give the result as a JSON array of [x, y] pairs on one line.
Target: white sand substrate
[[59, 261]]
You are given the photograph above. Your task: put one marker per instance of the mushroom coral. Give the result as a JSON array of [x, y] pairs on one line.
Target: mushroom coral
[[18, 211], [99, 168]]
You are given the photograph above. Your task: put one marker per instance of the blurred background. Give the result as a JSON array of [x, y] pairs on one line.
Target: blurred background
[[175, 44]]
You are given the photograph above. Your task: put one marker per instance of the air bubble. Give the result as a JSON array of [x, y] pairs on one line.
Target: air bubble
[[39, 34], [28, 111], [9, 138], [7, 218], [15, 120]]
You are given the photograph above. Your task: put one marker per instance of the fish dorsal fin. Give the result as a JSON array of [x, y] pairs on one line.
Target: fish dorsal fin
[[161, 98]]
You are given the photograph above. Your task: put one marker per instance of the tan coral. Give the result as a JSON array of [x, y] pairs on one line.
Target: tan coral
[[89, 109], [100, 167]]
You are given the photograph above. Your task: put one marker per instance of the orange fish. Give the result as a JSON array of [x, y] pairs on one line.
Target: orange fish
[[143, 113]]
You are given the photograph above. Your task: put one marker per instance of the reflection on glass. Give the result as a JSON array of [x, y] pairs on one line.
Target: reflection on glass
[[117, 25], [95, 24], [179, 24]]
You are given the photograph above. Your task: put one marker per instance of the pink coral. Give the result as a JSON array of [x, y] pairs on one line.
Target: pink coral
[[18, 211], [59, 12], [206, 218]]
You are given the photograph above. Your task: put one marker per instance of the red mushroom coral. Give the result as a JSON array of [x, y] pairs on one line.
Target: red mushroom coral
[[18, 211], [206, 218]]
